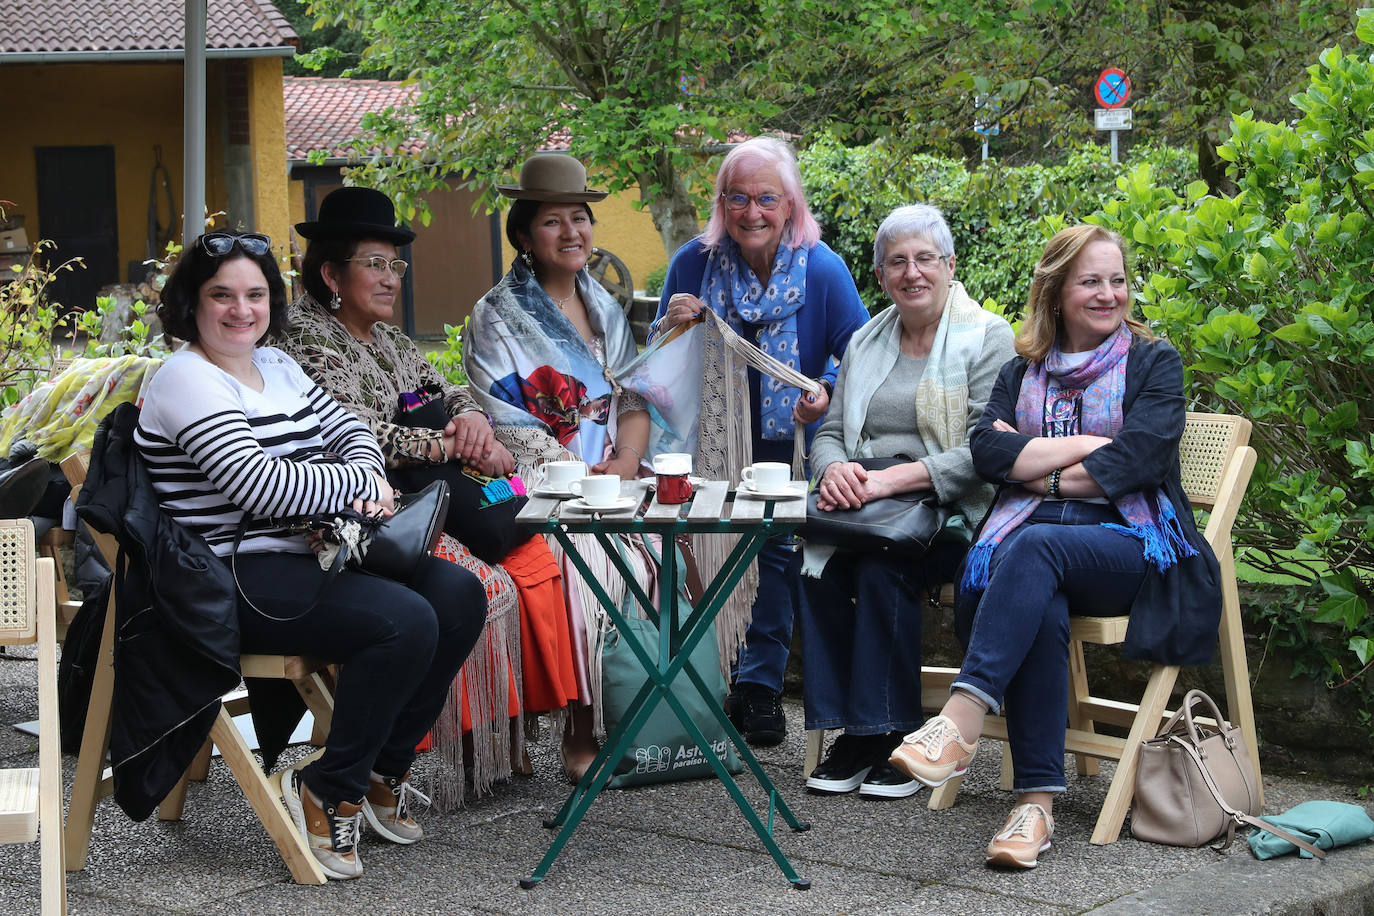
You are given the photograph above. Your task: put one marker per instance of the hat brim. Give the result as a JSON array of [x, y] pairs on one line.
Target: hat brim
[[516, 192], [316, 229]]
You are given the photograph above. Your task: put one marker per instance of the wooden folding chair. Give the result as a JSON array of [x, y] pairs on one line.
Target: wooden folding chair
[[93, 782], [31, 799]]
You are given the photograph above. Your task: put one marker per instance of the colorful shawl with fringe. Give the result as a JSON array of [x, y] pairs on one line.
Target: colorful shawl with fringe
[[528, 366], [1099, 383]]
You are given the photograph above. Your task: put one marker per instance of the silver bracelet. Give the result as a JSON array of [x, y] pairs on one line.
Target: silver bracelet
[[631, 448]]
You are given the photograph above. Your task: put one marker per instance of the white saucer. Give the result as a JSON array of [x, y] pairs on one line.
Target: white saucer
[[623, 502], [551, 493], [795, 489]]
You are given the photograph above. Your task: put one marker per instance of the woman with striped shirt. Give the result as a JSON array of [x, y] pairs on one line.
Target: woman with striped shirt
[[230, 429]]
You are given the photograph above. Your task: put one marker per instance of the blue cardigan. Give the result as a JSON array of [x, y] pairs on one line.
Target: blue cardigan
[[831, 313], [1175, 614]]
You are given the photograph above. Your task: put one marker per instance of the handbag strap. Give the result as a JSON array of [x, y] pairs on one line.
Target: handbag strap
[[1238, 817], [336, 567]]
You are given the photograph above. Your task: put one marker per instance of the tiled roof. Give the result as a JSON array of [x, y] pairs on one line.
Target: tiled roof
[[136, 25], [326, 114]]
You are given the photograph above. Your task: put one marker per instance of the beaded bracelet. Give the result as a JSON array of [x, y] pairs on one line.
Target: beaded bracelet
[[1052, 482]]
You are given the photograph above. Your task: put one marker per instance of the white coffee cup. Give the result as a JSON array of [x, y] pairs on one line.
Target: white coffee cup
[[767, 476], [558, 475], [598, 490], [673, 463]]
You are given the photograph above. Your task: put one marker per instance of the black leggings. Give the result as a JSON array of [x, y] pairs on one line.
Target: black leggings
[[399, 646]]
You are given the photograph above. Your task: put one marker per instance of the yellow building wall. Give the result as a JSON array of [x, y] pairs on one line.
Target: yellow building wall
[[267, 138], [132, 107]]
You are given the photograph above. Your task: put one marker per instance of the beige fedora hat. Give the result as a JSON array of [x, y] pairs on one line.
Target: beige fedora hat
[[554, 178]]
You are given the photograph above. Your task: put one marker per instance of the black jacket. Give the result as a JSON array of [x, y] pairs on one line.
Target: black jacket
[[176, 646], [1175, 614]]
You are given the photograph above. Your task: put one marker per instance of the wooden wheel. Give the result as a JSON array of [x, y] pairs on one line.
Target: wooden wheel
[[611, 273]]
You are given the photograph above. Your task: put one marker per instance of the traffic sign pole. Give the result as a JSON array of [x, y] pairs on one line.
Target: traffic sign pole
[[1113, 89]]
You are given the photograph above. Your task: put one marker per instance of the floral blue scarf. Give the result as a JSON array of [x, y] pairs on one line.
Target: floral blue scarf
[[730, 287], [1048, 391]]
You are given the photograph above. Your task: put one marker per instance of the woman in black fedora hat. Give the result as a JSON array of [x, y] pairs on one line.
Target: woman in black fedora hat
[[540, 354], [426, 425]]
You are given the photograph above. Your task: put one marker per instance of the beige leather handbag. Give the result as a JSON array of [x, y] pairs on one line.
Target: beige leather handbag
[[1196, 783]]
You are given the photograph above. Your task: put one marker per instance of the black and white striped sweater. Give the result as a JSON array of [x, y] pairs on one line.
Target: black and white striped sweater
[[216, 448]]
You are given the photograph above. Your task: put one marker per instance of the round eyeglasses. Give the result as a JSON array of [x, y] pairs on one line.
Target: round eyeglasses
[[741, 201], [218, 244], [378, 264]]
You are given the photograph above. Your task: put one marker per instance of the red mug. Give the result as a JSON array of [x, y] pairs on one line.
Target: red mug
[[672, 469]]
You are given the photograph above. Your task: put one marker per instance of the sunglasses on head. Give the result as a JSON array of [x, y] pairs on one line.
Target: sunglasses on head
[[218, 244]]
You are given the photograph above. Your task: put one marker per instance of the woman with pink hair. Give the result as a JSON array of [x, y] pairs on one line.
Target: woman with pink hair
[[762, 267]]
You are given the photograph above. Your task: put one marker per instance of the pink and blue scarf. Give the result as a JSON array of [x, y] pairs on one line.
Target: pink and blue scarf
[[1050, 391]]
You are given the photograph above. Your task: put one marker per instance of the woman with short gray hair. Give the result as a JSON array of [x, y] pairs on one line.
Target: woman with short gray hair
[[912, 385]]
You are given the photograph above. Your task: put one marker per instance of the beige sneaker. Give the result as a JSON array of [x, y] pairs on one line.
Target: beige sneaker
[[331, 831], [934, 753], [387, 808], [1022, 838]]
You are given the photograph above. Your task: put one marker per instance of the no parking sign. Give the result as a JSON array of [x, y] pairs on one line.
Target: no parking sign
[[1112, 88]]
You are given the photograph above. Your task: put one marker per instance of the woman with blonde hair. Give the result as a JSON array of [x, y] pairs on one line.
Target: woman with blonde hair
[[1081, 435]]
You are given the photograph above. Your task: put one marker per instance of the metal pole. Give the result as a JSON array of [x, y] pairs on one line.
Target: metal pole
[[985, 147], [193, 128], [1113, 133]]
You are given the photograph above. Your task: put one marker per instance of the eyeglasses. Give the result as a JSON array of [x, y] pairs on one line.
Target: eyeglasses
[[741, 201], [379, 264], [925, 262], [218, 244]]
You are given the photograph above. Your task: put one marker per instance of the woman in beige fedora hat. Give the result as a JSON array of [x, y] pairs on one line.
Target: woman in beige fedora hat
[[539, 354]]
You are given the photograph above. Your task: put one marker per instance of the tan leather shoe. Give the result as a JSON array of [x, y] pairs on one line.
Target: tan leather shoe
[[934, 753], [1022, 838]]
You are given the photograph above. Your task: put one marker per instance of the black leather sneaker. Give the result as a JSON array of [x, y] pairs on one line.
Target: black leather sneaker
[[886, 781], [757, 712], [844, 768]]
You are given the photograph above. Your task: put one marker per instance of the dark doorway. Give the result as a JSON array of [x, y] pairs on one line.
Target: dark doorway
[[77, 211]]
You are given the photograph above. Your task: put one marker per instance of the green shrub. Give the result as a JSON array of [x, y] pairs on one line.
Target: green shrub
[[996, 213], [1268, 296], [449, 359], [653, 284]]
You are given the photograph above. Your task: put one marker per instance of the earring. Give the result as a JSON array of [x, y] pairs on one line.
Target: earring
[[335, 302], [528, 259]]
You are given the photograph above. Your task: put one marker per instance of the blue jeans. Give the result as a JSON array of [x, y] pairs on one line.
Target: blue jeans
[[861, 634], [763, 657], [399, 648], [1057, 562]]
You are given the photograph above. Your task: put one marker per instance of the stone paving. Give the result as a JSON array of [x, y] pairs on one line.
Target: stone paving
[[676, 848]]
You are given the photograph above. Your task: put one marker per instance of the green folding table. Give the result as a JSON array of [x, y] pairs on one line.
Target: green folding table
[[713, 509]]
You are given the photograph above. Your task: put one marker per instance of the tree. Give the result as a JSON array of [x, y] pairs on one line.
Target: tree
[[637, 88]]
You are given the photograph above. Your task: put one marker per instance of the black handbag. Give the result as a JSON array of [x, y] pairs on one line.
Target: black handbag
[[905, 525], [390, 546], [482, 509]]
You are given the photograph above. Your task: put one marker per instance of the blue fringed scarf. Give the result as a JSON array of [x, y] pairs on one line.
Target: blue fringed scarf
[[730, 287], [1048, 391]]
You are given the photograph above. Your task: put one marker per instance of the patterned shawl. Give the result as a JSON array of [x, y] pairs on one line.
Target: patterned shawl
[[1100, 384], [528, 366]]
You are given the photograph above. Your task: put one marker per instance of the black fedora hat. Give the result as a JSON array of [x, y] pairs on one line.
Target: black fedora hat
[[356, 213]]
